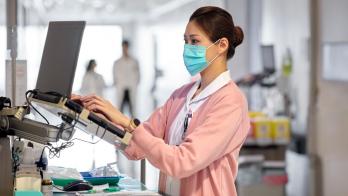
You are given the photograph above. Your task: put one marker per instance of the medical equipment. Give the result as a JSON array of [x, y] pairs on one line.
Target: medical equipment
[[60, 114], [15, 121]]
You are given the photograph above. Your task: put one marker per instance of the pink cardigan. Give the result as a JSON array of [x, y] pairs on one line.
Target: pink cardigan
[[206, 161]]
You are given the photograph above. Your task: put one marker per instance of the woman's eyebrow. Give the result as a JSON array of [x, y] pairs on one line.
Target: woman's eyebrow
[[194, 35], [191, 35]]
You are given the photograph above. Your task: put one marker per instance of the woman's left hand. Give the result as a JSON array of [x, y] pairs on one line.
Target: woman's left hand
[[99, 105]]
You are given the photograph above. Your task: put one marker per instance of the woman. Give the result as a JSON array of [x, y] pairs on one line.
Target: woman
[[92, 81], [195, 137]]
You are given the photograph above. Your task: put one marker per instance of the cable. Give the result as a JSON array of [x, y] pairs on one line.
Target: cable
[[15, 158], [96, 133], [43, 150], [55, 151], [55, 186], [31, 105], [89, 141], [76, 119]]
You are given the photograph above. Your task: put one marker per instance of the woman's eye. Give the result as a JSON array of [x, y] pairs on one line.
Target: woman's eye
[[185, 41], [194, 41]]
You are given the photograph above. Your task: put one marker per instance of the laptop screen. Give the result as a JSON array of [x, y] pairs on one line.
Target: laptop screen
[[59, 58]]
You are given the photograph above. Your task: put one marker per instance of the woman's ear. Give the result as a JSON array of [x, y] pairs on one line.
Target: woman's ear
[[223, 45]]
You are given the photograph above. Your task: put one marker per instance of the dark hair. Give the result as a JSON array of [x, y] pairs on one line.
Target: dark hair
[[125, 43], [90, 65], [218, 23]]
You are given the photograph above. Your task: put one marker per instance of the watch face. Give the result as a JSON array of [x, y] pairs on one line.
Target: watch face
[[136, 122]]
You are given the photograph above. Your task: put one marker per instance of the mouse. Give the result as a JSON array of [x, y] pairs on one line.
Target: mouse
[[78, 185]]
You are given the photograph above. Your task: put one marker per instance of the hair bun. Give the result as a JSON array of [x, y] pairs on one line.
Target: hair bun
[[238, 36]]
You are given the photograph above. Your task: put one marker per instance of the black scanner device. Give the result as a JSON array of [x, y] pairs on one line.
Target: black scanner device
[[78, 185], [77, 106]]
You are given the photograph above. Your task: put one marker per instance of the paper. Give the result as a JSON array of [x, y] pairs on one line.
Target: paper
[[335, 61]]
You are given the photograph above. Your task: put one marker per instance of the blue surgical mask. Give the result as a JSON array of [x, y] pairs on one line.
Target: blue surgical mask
[[195, 58]]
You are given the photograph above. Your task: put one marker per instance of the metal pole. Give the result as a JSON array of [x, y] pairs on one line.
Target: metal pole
[[143, 171], [6, 177], [315, 176], [11, 22]]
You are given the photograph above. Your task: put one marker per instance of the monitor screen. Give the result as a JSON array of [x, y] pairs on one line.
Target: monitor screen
[[267, 54], [60, 55]]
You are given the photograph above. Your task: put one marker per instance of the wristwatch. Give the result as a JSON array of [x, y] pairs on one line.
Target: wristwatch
[[133, 124]]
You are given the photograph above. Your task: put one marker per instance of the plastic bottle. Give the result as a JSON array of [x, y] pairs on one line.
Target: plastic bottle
[[287, 63]]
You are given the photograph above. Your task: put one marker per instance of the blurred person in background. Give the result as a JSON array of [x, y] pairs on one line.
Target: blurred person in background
[[194, 139], [126, 79], [92, 82]]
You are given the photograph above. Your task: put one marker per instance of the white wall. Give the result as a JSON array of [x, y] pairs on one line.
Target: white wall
[[334, 20], [286, 24], [239, 64]]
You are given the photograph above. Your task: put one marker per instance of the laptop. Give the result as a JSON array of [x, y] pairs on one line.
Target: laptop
[[58, 65], [59, 60]]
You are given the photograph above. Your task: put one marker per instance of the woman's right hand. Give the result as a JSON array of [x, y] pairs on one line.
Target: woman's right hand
[[99, 105], [75, 97]]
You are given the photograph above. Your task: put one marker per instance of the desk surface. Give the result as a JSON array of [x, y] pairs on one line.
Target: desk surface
[[128, 187]]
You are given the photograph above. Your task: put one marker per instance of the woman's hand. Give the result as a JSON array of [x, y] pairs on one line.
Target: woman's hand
[[75, 97], [99, 105]]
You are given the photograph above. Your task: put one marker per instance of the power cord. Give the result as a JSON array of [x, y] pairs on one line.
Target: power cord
[[31, 105], [90, 141], [55, 151], [57, 187], [68, 119]]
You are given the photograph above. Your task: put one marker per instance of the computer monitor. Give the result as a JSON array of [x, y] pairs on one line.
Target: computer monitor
[[59, 58], [267, 55]]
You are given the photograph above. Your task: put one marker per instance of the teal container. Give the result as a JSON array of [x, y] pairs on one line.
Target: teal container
[[28, 193]]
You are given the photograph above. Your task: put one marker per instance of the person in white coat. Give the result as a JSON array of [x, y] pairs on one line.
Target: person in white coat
[[126, 79], [102, 153], [93, 82]]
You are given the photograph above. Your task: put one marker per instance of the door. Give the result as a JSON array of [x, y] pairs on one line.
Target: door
[[328, 115]]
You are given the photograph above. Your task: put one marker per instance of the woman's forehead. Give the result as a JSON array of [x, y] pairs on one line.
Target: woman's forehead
[[194, 30]]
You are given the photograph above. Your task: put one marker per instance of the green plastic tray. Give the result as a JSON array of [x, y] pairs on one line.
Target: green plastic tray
[[63, 181], [112, 181]]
